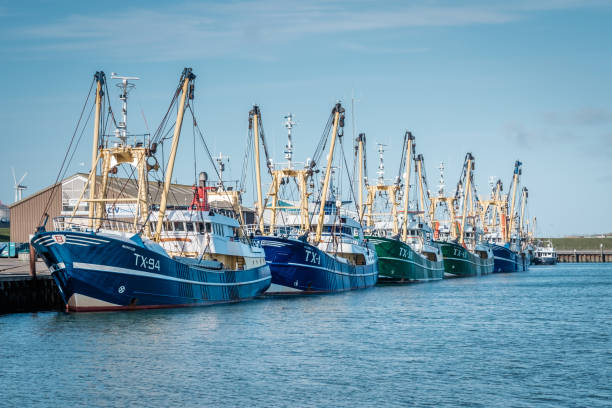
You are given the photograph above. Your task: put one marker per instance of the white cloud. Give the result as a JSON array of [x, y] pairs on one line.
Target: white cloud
[[188, 29], [582, 117]]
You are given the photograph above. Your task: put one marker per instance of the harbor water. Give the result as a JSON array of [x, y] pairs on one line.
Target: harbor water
[[537, 338]]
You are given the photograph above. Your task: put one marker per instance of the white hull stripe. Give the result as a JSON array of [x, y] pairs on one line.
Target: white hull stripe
[[90, 238], [273, 244], [43, 240], [133, 272], [473, 263], [407, 280], [331, 270], [505, 259], [412, 262], [57, 267], [81, 240]]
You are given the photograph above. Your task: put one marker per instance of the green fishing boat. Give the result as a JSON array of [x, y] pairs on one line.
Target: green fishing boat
[[399, 263], [407, 253], [460, 241], [460, 262]]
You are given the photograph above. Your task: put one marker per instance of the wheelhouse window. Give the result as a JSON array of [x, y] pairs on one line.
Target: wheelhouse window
[[189, 226], [179, 226]]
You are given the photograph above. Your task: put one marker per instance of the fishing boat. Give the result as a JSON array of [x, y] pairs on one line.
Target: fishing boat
[[504, 228], [328, 256], [408, 255], [461, 244], [163, 257], [545, 254]]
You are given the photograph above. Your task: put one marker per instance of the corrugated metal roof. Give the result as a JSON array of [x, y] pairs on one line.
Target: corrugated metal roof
[[180, 194]]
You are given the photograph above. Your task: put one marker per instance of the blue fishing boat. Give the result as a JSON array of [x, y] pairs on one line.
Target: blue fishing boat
[[507, 260], [298, 266], [505, 234], [106, 269], [331, 256], [161, 258]]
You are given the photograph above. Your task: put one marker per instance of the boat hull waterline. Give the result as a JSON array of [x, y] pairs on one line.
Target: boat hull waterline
[[459, 262], [399, 263], [298, 267], [506, 260], [96, 272]]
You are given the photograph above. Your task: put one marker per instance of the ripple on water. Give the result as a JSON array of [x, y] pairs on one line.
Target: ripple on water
[[537, 338]]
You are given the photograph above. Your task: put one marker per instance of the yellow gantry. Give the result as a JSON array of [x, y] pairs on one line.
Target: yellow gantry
[[466, 195], [187, 78], [301, 177], [515, 181], [254, 118], [100, 78], [338, 110], [360, 141], [408, 167]]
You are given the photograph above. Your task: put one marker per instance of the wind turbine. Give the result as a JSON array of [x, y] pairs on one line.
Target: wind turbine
[[18, 186]]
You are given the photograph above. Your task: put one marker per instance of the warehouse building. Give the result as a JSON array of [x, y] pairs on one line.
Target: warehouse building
[[60, 199]]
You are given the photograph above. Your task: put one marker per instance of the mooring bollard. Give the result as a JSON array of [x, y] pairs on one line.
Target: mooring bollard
[[32, 262]]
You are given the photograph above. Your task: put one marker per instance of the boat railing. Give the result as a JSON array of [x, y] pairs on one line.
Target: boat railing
[[82, 224], [279, 231], [129, 140]]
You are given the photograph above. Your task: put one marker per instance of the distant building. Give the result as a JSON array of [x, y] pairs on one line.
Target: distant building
[[60, 199], [5, 215]]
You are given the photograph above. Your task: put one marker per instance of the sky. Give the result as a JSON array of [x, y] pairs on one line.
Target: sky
[[508, 80]]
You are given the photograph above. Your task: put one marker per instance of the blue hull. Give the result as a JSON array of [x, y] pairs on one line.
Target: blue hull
[[545, 261], [95, 272], [507, 260], [297, 266]]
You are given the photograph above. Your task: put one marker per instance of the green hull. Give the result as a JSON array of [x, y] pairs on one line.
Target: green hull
[[398, 262], [459, 262]]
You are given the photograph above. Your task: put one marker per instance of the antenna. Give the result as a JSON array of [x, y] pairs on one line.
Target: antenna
[[221, 160], [289, 124], [441, 185], [19, 188], [492, 183], [381, 164], [125, 88]]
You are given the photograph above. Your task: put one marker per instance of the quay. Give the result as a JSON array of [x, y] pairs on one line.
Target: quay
[[584, 256], [22, 292]]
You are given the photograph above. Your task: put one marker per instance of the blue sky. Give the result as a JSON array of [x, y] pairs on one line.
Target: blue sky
[[526, 80]]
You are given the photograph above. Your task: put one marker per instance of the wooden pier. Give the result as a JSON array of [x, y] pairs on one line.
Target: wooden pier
[[22, 292], [584, 256]]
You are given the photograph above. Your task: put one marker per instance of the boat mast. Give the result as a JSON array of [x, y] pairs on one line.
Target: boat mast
[[496, 200], [254, 117], [409, 145], [281, 176], [187, 77], [100, 79], [360, 141], [337, 111], [515, 180], [391, 191], [468, 174], [523, 203], [419, 163], [289, 124]]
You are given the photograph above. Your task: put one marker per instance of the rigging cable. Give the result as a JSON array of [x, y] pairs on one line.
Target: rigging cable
[[64, 163]]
